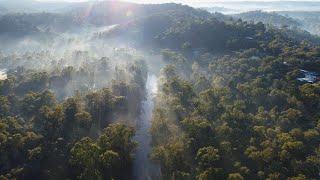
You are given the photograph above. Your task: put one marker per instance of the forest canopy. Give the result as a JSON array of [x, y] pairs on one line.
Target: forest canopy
[[230, 98]]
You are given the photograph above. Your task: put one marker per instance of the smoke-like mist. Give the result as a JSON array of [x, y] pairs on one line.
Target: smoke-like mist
[[143, 168]]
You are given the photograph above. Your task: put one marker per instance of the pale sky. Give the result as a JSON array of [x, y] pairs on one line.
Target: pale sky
[[226, 4], [180, 1]]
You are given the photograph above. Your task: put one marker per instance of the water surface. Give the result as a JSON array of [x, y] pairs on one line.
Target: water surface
[[143, 168]]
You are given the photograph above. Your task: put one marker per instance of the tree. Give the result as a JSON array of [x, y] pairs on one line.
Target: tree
[[84, 156], [118, 138], [235, 176], [207, 157]]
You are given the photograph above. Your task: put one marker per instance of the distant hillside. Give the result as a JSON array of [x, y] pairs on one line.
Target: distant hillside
[[273, 19], [310, 21], [185, 27], [240, 6], [112, 12], [171, 26], [19, 24]]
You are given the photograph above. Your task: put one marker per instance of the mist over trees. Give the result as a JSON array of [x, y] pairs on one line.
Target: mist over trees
[[236, 99]]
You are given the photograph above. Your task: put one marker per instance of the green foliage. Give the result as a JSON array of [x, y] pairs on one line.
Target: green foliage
[[242, 115], [105, 158], [229, 104], [235, 176], [42, 136], [117, 137], [207, 157], [85, 154]]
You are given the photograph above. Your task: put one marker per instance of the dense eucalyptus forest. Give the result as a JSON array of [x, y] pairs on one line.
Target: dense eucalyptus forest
[[117, 90]]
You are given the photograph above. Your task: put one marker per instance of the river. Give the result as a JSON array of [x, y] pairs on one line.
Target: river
[[143, 168], [309, 76]]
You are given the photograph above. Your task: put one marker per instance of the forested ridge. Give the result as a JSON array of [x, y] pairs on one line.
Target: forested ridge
[[231, 103]]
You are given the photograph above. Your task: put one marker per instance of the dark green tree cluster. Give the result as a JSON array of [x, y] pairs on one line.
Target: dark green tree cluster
[[243, 115], [73, 137]]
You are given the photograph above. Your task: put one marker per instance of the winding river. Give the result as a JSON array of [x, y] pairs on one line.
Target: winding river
[[143, 168]]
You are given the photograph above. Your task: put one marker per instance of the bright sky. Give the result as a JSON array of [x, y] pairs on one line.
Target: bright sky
[[226, 4], [178, 1]]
